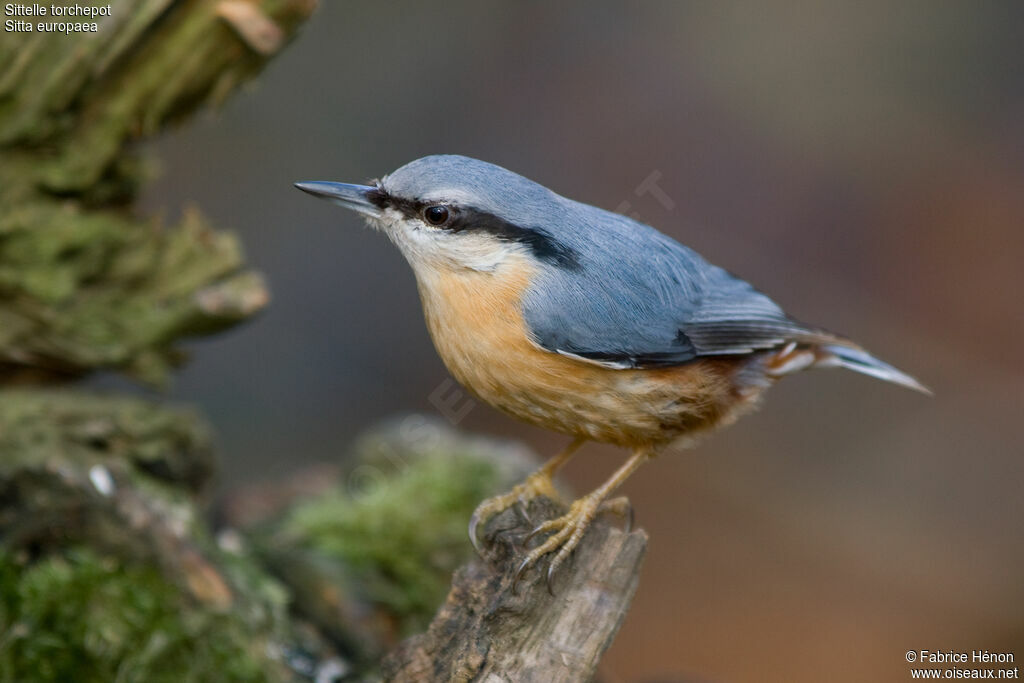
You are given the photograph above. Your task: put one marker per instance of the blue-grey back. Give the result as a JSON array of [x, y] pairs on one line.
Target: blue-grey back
[[639, 298]]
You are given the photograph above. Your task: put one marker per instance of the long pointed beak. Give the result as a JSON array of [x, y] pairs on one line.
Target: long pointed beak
[[355, 197]]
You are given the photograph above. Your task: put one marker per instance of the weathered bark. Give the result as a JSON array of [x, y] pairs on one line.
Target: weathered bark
[[107, 568], [489, 631]]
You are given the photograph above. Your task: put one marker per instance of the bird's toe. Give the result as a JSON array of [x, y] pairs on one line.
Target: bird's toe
[[566, 533], [536, 485]]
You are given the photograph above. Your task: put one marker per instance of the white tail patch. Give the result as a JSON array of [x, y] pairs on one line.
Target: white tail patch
[[790, 359]]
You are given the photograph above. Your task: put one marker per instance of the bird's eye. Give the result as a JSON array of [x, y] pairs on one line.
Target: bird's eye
[[437, 214]]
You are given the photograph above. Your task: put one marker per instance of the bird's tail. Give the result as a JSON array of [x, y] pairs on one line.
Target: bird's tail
[[848, 355]]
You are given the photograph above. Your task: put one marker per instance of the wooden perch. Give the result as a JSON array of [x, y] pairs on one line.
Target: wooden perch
[[486, 631]]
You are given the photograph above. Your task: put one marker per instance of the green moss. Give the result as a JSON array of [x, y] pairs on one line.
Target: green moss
[[157, 444], [79, 617], [89, 289], [86, 283], [402, 538]]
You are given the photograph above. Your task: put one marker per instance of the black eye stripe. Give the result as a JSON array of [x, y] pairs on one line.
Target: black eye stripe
[[465, 219]]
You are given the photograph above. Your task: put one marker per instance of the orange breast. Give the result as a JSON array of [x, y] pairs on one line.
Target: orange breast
[[476, 321]]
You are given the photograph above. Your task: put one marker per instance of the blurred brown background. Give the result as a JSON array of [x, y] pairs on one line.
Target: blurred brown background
[[862, 163]]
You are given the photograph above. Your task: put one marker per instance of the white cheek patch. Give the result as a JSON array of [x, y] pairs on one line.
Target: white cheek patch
[[425, 246], [477, 251]]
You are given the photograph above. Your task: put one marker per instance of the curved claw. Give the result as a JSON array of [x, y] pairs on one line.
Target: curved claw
[[547, 578], [474, 522], [539, 529], [568, 530], [523, 510], [523, 566], [537, 484], [522, 569]]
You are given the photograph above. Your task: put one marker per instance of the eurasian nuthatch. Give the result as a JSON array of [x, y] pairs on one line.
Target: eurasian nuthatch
[[583, 321]]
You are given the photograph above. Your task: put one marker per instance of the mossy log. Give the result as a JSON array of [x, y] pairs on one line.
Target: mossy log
[[85, 283], [107, 563], [107, 568]]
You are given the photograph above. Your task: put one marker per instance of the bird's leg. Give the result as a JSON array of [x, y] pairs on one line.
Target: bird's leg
[[537, 484], [568, 529]]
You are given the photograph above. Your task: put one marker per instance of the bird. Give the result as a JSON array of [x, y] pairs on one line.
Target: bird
[[583, 321]]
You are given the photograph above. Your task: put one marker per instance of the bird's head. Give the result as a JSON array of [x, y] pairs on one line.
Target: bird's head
[[448, 212]]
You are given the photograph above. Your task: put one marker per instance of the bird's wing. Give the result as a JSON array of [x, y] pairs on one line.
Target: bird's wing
[[645, 300]]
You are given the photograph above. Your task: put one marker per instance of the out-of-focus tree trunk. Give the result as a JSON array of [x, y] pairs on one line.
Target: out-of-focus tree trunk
[[86, 282], [107, 569]]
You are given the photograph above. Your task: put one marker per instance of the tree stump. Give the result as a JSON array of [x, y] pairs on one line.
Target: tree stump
[[490, 630]]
